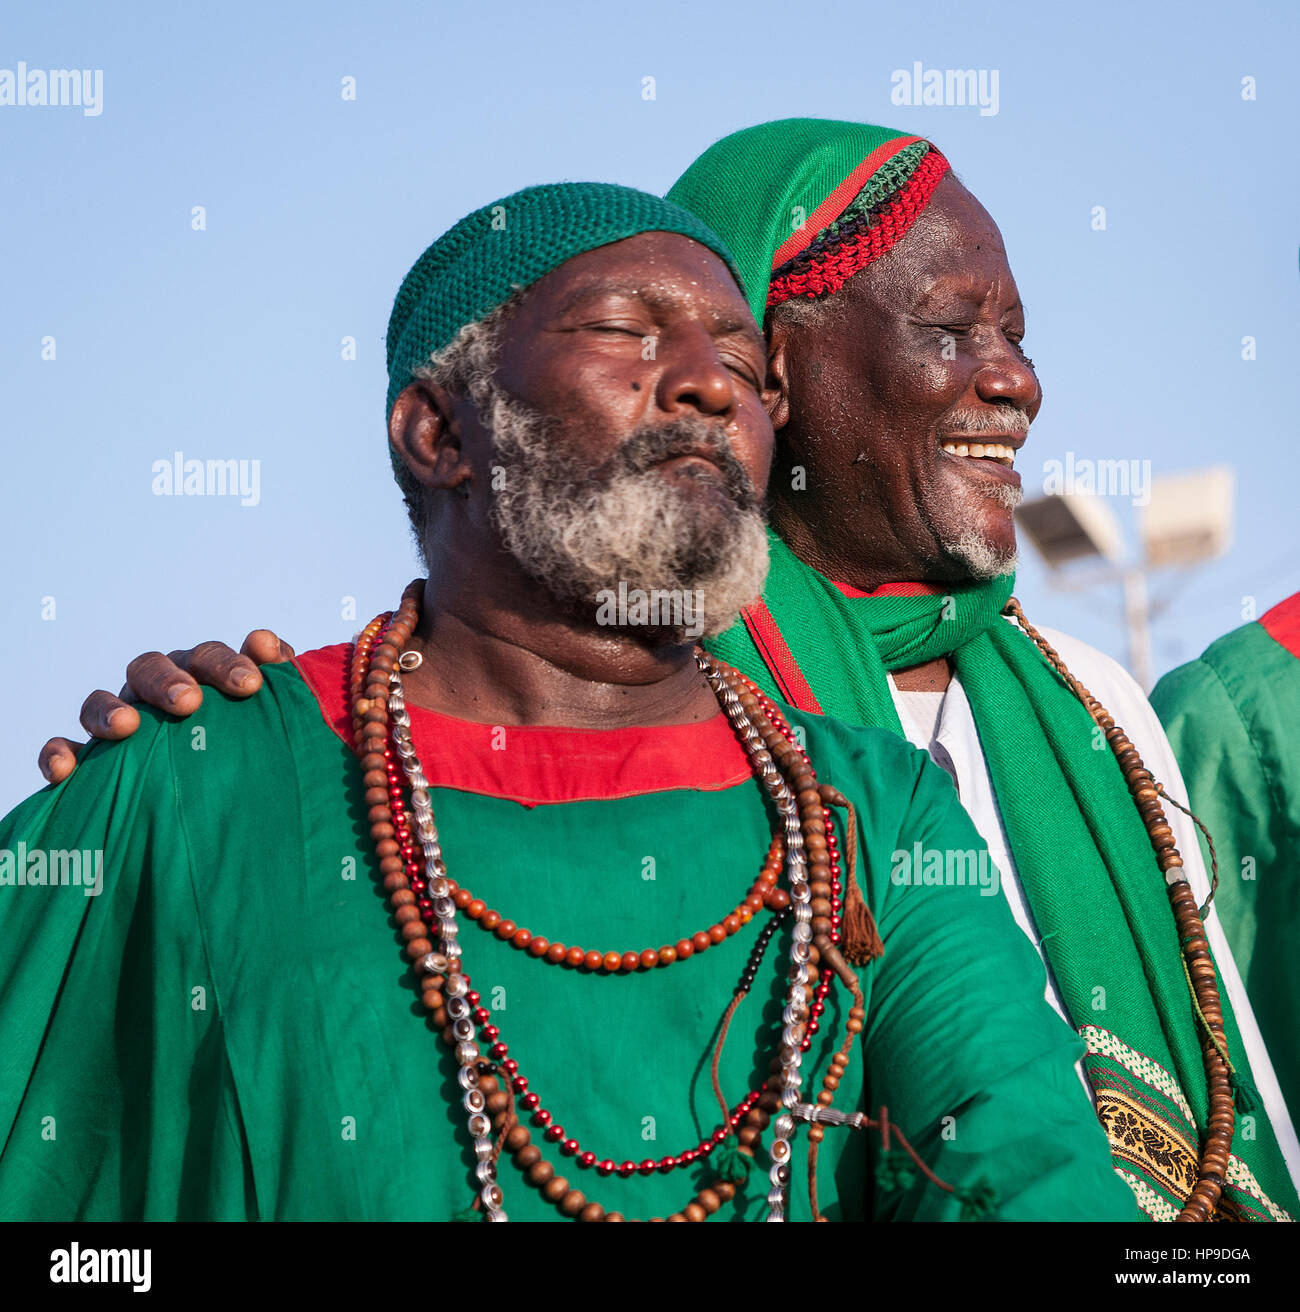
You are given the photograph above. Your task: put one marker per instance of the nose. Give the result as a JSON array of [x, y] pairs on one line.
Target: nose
[[1009, 376], [694, 377]]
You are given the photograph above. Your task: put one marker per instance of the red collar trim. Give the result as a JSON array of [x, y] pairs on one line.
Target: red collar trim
[[537, 764], [1282, 623], [779, 659], [890, 590]]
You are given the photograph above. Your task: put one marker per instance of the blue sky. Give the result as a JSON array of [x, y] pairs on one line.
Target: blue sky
[[226, 342]]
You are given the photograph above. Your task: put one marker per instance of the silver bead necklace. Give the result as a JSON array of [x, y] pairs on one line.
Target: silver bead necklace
[[440, 962]]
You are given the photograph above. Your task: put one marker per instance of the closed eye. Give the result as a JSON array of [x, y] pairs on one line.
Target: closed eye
[[630, 330]]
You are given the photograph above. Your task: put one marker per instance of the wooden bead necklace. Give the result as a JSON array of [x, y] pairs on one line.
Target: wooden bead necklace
[[764, 893], [1216, 1150], [428, 909], [424, 903]]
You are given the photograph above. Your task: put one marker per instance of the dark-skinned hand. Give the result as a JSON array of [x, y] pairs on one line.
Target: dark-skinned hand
[[172, 683]]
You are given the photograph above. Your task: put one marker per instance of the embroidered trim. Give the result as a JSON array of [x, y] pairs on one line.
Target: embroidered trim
[[1139, 1137], [1157, 1208], [1240, 1176], [1105, 1044]]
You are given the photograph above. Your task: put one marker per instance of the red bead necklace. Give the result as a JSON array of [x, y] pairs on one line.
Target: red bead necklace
[[407, 883]]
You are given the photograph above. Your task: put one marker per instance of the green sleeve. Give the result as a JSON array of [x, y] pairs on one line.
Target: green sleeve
[[1233, 744], [113, 982], [1227, 789], [964, 1050]]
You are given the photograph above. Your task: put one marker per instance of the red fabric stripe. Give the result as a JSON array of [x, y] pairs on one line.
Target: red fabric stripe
[[830, 272], [837, 202], [891, 590], [1282, 624], [779, 659], [544, 763]]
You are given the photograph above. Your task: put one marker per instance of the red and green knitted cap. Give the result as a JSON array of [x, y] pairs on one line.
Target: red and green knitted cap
[[479, 263], [804, 203]]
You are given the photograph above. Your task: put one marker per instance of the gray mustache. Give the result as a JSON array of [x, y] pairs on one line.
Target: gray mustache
[[1009, 421], [653, 445]]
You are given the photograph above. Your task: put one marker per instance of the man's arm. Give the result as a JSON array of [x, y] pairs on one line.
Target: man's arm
[[116, 1096], [961, 1046], [172, 683]]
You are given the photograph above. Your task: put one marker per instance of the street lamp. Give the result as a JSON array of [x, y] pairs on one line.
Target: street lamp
[[1186, 521]]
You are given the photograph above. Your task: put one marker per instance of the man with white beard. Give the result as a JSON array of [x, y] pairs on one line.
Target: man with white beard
[[225, 1032], [901, 395]]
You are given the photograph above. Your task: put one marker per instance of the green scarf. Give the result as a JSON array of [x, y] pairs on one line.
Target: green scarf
[[1080, 848]]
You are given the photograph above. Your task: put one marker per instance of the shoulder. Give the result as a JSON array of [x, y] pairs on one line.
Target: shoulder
[[1121, 694], [1097, 672], [221, 742], [869, 748], [1185, 689], [878, 770], [1250, 676]]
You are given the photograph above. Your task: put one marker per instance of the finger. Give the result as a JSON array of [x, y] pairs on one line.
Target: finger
[[266, 647], [224, 668], [106, 716], [58, 759], [162, 681]]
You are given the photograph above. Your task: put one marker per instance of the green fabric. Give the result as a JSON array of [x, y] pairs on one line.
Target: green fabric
[[1079, 845], [227, 1031], [476, 265], [1233, 718], [883, 183], [756, 186]]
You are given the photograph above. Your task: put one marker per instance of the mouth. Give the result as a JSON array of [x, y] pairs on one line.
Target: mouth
[[691, 461], [994, 458], [1002, 452]]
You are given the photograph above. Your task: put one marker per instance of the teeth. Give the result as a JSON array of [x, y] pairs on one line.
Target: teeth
[[982, 451]]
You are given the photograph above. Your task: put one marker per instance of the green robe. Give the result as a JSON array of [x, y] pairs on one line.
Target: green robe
[[228, 1030], [1233, 717]]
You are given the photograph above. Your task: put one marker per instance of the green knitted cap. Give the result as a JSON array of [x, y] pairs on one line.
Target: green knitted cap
[[478, 264], [761, 186]]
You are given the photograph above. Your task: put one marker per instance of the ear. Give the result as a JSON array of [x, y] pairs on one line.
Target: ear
[[424, 432], [776, 390]]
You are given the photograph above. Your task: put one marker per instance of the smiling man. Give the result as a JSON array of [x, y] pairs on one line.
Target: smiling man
[[901, 394], [594, 843], [895, 334]]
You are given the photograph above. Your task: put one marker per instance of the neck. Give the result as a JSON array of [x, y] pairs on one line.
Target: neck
[[497, 652], [865, 561], [883, 566]]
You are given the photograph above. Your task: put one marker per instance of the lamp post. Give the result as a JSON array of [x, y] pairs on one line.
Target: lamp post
[[1186, 521]]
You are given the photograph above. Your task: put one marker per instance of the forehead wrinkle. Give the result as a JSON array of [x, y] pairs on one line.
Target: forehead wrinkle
[[965, 283]]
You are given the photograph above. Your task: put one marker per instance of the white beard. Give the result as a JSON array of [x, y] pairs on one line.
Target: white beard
[[981, 558], [581, 534]]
